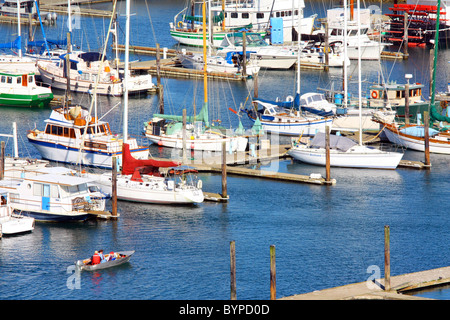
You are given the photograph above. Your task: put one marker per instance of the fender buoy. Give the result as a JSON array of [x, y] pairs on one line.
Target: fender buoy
[[289, 98], [199, 184], [375, 94]]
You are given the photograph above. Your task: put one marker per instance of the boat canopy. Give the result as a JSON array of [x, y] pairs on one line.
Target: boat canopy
[[133, 166], [40, 44], [418, 131], [92, 56], [216, 19], [202, 116], [336, 142], [11, 45]]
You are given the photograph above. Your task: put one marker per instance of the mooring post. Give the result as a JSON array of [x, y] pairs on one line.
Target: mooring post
[[224, 171], [327, 154], [233, 270], [273, 274], [2, 161], [426, 123], [114, 187], [405, 36], [387, 259]]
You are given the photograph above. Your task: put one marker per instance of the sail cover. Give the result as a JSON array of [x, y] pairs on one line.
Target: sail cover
[[149, 166], [336, 142]]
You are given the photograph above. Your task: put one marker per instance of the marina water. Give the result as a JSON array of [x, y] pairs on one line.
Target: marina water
[[325, 236]]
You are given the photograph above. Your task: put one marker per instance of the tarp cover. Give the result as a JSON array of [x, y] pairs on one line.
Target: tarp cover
[[149, 166], [336, 142]]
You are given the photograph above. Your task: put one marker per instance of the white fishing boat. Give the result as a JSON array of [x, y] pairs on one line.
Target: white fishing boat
[[234, 15], [232, 62], [345, 152], [313, 52], [53, 197], [85, 67], [370, 49], [12, 223], [71, 135], [143, 181]]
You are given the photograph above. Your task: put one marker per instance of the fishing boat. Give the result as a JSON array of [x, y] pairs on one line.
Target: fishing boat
[[234, 15], [415, 136], [142, 181], [19, 89], [85, 67], [112, 260], [343, 151], [12, 223], [232, 62], [71, 135], [53, 197]]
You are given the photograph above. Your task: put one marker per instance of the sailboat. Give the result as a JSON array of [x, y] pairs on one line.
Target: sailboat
[[198, 132], [286, 117], [344, 152], [412, 136], [16, 62]]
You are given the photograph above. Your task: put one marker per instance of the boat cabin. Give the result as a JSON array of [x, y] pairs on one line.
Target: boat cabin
[[394, 94], [9, 7], [11, 80]]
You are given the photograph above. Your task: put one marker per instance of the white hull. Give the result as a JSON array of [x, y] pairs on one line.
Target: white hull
[[14, 224], [301, 127], [360, 157], [418, 144], [269, 61], [350, 121], [215, 64], [212, 144], [140, 192], [67, 154], [370, 51]]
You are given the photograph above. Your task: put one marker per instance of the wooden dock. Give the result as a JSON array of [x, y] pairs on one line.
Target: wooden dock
[[375, 290]]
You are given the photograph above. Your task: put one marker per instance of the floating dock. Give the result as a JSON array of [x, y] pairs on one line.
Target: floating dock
[[374, 290]]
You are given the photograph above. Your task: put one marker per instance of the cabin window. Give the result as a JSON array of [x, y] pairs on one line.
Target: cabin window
[[277, 14], [245, 15], [47, 129], [30, 79], [37, 189], [9, 79], [3, 79], [296, 12], [19, 80], [260, 15], [234, 15], [54, 193]]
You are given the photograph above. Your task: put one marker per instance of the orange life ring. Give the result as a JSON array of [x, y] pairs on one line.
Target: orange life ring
[[375, 94]]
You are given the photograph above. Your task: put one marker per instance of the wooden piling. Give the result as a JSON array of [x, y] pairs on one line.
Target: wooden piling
[[405, 36], [407, 102], [327, 154], [114, 188], [426, 138], [233, 270], [387, 259], [2, 161], [273, 274], [224, 171]]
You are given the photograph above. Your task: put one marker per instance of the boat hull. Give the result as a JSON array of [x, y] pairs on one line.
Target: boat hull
[[67, 154], [215, 144], [108, 264], [26, 100], [49, 216], [368, 160], [16, 225]]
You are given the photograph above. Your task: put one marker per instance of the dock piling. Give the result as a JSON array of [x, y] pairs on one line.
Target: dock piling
[[273, 274], [114, 188], [387, 259], [233, 270], [427, 138], [224, 171]]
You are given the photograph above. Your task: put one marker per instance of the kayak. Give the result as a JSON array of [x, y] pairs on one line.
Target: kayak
[[121, 257]]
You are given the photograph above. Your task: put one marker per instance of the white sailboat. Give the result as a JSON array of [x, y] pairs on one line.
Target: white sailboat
[[345, 152], [198, 134]]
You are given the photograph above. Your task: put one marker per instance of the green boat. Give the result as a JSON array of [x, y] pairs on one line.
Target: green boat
[[21, 90]]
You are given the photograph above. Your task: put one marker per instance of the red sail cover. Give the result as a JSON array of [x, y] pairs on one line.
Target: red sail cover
[[150, 166]]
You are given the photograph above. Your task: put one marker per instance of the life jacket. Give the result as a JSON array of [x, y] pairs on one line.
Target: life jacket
[[96, 259], [112, 256]]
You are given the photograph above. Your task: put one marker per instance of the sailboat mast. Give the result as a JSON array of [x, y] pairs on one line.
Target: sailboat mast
[[299, 23], [126, 73], [359, 73], [205, 75], [18, 29], [345, 54], [436, 45]]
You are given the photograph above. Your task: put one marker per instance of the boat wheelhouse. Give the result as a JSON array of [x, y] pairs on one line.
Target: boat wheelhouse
[[21, 90], [62, 139]]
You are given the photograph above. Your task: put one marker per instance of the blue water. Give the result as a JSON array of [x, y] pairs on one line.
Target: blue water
[[325, 236]]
